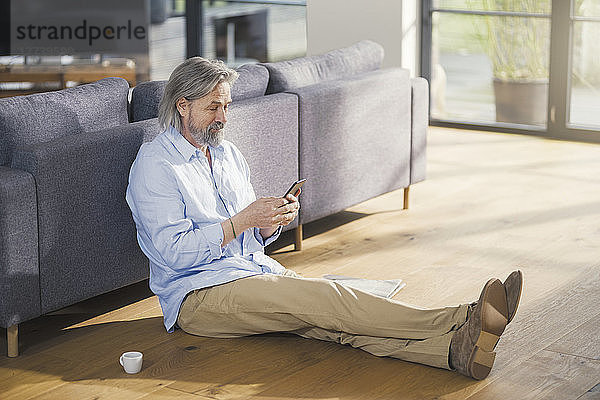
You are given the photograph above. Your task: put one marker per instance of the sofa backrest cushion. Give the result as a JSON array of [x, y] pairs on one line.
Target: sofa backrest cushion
[[144, 100], [361, 57], [146, 96], [252, 82], [38, 118]]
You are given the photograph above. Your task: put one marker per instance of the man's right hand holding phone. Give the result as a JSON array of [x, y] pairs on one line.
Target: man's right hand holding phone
[[266, 213], [270, 212]]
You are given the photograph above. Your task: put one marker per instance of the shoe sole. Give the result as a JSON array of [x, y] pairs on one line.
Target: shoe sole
[[494, 317], [519, 274]]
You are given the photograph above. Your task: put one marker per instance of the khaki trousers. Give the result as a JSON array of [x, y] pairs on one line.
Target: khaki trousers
[[325, 310]]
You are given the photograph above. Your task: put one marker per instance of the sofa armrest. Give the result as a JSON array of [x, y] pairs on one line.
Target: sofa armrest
[[347, 126], [19, 269], [87, 235], [420, 121]]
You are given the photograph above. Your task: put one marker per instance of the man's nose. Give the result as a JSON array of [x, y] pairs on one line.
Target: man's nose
[[221, 115]]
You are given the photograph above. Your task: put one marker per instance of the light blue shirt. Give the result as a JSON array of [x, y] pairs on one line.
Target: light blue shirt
[[178, 204]]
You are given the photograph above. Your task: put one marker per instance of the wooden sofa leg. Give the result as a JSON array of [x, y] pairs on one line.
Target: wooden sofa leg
[[12, 333], [406, 192], [298, 242]]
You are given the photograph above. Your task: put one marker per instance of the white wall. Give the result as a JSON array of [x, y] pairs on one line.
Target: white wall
[[332, 24]]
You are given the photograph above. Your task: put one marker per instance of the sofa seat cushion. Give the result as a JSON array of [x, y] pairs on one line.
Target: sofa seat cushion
[[39, 118], [146, 96], [361, 57]]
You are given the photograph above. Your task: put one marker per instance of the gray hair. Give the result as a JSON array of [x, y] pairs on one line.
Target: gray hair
[[194, 78]]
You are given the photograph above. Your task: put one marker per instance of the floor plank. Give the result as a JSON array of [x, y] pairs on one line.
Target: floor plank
[[592, 394], [167, 393], [582, 341], [549, 376], [29, 376]]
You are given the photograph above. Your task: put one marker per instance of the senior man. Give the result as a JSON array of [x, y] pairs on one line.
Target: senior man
[[203, 230]]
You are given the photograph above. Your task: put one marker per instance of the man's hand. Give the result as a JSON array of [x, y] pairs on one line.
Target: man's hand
[[268, 212], [290, 216]]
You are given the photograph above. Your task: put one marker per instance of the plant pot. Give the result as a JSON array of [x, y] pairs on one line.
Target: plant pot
[[521, 102]]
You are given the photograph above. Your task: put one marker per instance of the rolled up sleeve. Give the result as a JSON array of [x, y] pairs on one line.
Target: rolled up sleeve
[[264, 242], [213, 234]]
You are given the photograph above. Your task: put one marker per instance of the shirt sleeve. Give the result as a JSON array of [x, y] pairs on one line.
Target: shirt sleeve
[[264, 242], [159, 211]]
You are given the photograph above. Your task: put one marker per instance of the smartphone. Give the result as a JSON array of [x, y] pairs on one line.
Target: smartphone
[[295, 188]]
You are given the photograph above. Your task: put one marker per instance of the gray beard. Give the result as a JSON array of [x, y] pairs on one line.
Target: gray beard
[[212, 135]]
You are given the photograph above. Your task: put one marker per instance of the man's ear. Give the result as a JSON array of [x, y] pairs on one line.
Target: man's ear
[[183, 106]]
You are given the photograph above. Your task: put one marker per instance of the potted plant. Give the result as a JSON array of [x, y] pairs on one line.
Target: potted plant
[[519, 49]]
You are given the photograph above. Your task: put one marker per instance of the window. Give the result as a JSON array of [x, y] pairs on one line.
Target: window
[[517, 65]]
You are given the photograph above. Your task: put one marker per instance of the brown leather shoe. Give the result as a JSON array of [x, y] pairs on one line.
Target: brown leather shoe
[[514, 287], [472, 347]]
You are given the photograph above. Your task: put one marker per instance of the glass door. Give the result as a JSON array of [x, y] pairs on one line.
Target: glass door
[[525, 66]]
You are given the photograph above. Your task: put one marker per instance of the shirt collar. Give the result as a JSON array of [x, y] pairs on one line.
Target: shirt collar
[[185, 148]]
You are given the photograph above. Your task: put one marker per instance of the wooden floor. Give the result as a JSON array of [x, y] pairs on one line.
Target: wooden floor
[[491, 203]]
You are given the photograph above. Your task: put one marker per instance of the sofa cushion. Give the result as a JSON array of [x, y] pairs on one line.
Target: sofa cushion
[[145, 99], [146, 96], [252, 82], [361, 57], [38, 118]]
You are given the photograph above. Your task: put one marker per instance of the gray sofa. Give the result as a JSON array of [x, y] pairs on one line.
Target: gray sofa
[[354, 130]]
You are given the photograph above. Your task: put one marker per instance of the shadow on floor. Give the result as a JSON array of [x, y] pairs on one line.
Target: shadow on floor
[[315, 228]]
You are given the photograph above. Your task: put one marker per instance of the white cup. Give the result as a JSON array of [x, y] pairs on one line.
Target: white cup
[[131, 361]]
